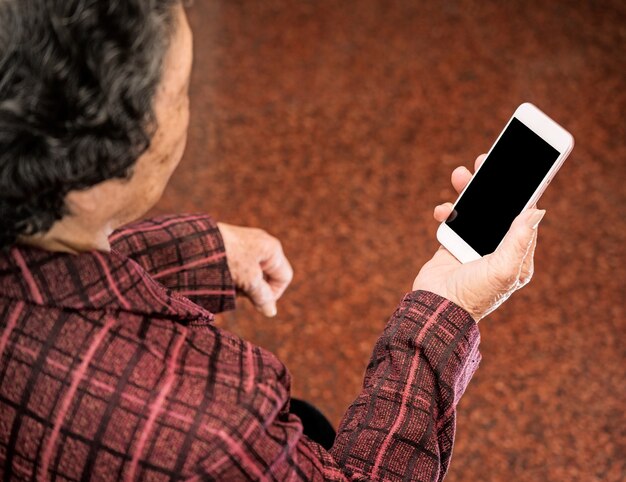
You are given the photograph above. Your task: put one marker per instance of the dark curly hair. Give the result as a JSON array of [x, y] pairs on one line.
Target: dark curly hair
[[77, 84]]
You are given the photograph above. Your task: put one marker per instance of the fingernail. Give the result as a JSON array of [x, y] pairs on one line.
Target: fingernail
[[270, 311], [535, 218]]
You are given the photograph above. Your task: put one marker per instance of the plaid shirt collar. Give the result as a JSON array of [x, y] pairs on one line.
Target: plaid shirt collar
[[92, 280]]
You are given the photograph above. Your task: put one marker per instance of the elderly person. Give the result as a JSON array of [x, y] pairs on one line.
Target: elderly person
[[110, 365]]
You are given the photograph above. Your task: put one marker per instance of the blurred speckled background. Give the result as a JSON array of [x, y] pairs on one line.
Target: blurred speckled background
[[335, 125]]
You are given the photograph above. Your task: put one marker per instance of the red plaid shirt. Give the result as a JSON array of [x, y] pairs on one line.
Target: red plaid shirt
[[111, 368]]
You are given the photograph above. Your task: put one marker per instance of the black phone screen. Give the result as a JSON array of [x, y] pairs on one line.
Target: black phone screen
[[507, 180]]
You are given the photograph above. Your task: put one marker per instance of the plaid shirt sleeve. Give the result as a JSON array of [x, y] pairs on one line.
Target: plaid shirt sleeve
[[185, 253], [401, 426]]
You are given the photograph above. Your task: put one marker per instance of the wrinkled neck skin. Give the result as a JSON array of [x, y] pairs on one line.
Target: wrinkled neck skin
[[92, 215], [74, 235]]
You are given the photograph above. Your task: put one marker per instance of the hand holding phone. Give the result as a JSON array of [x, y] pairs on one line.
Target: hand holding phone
[[480, 282], [481, 286], [517, 170]]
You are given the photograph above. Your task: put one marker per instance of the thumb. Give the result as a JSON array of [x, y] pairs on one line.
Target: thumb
[[262, 296], [511, 254]]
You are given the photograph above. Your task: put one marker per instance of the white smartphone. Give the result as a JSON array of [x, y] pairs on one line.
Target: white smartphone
[[517, 170]]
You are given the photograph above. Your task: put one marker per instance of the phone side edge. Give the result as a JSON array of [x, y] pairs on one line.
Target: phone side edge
[[548, 178]]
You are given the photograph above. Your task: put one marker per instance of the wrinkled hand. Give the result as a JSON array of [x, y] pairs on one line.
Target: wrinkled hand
[[257, 264], [481, 286]]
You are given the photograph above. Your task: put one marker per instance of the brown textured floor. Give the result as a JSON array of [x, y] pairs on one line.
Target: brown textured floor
[[335, 125]]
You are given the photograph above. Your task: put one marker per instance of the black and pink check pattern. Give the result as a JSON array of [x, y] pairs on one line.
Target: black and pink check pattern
[[111, 368]]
